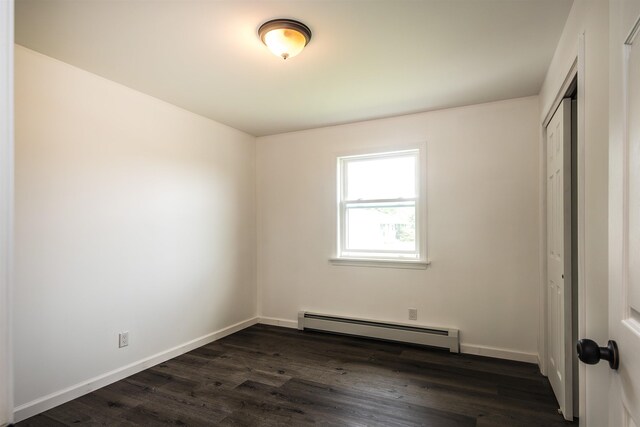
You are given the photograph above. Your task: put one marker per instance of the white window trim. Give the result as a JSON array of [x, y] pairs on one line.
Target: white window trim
[[388, 263], [421, 213]]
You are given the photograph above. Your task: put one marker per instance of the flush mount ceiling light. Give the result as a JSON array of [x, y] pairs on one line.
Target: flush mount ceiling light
[[284, 37]]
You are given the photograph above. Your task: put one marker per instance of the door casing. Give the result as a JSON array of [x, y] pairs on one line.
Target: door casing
[[6, 208]]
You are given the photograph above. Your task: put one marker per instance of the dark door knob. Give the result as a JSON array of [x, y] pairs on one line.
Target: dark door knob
[[590, 353]]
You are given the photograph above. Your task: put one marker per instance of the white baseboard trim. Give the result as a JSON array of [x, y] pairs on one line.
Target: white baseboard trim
[[274, 321], [499, 353], [49, 401]]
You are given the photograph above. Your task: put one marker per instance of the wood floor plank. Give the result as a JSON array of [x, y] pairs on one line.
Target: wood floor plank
[[169, 408], [478, 363], [41, 420], [370, 407], [79, 413], [270, 376], [311, 411]]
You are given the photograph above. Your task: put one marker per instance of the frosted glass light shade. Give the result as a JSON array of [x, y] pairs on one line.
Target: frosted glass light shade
[[285, 43], [284, 37]]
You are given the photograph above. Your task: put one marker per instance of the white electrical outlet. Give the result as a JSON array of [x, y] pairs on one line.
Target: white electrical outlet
[[123, 339], [413, 314]]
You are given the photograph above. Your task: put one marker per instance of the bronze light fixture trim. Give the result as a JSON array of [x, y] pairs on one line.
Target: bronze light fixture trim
[[284, 37]]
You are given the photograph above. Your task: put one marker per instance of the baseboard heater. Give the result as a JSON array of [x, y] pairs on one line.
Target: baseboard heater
[[434, 337]]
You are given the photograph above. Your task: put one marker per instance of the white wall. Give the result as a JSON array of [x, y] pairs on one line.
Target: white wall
[[6, 207], [483, 224], [131, 215], [590, 17]]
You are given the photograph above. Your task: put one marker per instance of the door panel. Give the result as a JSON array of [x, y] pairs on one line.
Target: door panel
[[559, 334], [630, 286], [624, 211]]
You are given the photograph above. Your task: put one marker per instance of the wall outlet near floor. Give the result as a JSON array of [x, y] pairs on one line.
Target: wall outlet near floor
[[413, 314], [123, 340]]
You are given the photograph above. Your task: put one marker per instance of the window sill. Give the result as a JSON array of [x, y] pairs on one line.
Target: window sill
[[381, 263]]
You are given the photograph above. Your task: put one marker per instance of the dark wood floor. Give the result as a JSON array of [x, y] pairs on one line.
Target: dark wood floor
[[268, 376]]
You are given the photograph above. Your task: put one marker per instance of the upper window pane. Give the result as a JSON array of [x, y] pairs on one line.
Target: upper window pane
[[381, 178]]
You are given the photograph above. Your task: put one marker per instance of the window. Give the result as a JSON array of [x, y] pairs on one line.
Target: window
[[379, 206]]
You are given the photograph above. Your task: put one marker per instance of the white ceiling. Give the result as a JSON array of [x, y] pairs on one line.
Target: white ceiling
[[367, 59]]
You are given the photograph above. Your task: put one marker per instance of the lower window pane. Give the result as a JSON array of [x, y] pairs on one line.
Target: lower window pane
[[381, 228]]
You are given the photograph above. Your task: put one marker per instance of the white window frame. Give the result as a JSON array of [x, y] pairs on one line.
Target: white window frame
[[378, 258]]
